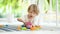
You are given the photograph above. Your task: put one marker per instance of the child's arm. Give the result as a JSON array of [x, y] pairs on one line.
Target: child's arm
[[20, 20], [33, 24]]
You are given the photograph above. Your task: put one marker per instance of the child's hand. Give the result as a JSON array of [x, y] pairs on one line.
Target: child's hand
[[33, 24], [20, 20]]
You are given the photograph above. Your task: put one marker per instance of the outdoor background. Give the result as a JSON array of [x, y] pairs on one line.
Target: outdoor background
[[49, 10]]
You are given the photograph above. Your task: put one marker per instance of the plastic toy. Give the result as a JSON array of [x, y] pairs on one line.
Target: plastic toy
[[23, 28], [33, 28], [5, 26], [38, 27], [1, 26], [28, 25], [19, 27]]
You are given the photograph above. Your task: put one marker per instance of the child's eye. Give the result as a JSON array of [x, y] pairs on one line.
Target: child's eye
[[30, 12]]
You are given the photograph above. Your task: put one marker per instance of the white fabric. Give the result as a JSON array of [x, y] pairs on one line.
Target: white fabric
[[35, 20]]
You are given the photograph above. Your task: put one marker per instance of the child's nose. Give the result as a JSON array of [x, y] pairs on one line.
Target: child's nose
[[32, 14]]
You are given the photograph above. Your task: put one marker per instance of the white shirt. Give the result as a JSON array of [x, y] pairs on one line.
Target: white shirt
[[35, 20]]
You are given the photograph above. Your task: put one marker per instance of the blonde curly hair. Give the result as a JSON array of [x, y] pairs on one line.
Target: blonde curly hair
[[35, 8]]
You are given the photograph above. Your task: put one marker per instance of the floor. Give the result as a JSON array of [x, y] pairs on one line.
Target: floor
[[32, 32], [43, 30]]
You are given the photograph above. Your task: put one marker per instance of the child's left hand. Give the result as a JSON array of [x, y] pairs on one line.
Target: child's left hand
[[33, 24]]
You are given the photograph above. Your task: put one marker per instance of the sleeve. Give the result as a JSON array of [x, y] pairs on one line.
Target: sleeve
[[37, 20]]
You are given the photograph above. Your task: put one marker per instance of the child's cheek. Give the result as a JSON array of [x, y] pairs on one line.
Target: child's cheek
[[33, 15]]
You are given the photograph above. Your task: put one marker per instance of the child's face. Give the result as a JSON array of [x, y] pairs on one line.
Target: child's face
[[32, 12]]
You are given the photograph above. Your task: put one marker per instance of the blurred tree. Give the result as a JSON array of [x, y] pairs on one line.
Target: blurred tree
[[48, 1], [54, 5], [20, 6]]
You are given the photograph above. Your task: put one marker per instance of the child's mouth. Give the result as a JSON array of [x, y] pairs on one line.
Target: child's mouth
[[30, 16]]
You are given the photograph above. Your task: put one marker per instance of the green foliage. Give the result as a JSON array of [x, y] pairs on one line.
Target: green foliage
[[54, 5], [48, 1], [19, 6], [59, 5]]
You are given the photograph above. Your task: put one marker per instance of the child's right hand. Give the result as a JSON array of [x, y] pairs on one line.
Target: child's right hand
[[20, 20]]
